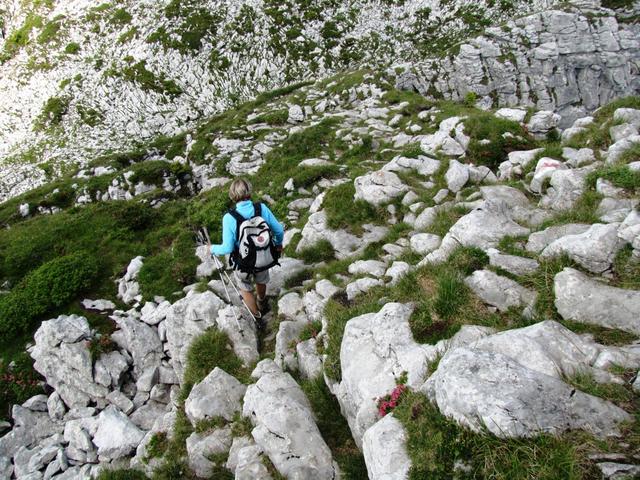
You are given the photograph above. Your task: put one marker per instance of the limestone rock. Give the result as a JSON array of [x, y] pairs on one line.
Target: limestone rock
[[379, 187], [376, 349], [128, 287], [374, 268], [188, 318], [424, 243], [594, 249], [425, 166], [202, 446], [385, 452], [500, 292], [457, 176], [116, 436], [309, 362], [481, 389], [484, 227], [538, 241], [511, 263], [362, 285], [582, 299], [62, 356], [544, 169], [242, 331], [284, 427], [397, 270], [140, 340], [565, 189], [344, 243]]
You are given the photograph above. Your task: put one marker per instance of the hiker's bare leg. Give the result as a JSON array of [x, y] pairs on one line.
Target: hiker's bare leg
[[261, 289], [250, 300]]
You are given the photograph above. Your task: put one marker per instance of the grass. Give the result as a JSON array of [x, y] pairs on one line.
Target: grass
[[596, 135], [602, 335], [436, 444], [442, 301], [619, 175], [334, 429], [542, 281], [485, 126], [320, 252], [211, 349], [445, 219], [627, 269], [343, 212]]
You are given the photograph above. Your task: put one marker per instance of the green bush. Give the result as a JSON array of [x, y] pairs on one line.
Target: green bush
[[53, 111], [485, 126], [72, 48], [50, 286]]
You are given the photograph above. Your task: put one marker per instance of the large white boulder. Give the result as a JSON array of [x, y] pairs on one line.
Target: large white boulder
[[62, 356], [488, 390], [385, 451], [200, 447], [500, 292], [116, 436], [284, 426], [379, 187], [218, 395], [242, 331], [594, 249], [583, 299], [377, 348], [188, 318], [344, 243], [128, 286], [538, 241]]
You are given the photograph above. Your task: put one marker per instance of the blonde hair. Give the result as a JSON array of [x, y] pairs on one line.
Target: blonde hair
[[240, 189]]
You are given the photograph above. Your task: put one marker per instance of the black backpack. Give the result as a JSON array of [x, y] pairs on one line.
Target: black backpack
[[256, 250]]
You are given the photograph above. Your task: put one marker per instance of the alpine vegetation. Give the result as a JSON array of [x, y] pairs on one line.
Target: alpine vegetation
[[432, 212]]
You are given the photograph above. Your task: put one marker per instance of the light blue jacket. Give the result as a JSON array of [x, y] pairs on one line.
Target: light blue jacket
[[229, 228]]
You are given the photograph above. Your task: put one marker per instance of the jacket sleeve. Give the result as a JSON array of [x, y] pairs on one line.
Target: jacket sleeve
[[228, 237], [274, 225]]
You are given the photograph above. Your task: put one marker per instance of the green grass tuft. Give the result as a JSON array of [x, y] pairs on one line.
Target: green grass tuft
[[436, 444], [320, 252]]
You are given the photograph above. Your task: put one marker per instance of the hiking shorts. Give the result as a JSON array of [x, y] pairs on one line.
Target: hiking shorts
[[245, 280]]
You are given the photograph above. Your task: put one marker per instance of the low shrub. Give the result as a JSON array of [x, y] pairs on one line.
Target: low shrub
[[320, 252], [17, 383], [50, 286], [121, 474]]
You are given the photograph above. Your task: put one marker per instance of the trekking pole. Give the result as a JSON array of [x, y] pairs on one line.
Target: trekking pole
[[203, 238], [221, 270]]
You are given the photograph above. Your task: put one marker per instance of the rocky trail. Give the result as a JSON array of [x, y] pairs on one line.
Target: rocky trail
[[459, 295]]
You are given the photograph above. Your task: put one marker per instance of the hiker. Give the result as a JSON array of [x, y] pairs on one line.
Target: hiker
[[253, 236]]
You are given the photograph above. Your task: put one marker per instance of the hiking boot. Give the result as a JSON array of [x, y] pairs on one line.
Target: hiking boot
[[263, 305]]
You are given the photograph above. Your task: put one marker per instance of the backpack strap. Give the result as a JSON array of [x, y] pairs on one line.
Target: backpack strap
[[257, 209], [239, 219]]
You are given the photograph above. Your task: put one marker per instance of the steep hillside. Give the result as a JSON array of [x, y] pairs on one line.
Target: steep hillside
[[79, 79], [458, 296]]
